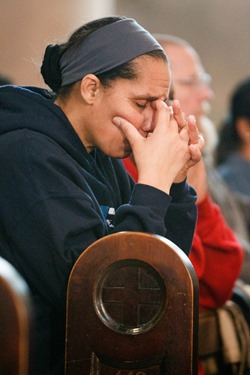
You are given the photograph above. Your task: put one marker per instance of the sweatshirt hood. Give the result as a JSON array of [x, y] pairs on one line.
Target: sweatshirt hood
[[34, 109]]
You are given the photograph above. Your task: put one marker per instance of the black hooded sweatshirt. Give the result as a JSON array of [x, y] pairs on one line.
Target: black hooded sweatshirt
[[56, 199]]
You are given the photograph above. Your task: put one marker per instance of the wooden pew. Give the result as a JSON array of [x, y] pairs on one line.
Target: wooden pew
[[15, 322], [132, 309]]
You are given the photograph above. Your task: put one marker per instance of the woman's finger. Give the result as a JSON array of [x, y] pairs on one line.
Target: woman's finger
[[179, 115], [130, 132], [162, 115], [193, 130]]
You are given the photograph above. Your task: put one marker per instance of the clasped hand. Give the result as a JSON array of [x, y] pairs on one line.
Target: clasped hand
[[168, 151]]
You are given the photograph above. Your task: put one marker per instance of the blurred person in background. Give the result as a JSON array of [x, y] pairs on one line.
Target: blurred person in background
[[191, 85], [216, 252], [192, 88], [233, 148]]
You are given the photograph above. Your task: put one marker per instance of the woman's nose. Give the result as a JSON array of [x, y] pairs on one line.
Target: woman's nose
[[147, 124]]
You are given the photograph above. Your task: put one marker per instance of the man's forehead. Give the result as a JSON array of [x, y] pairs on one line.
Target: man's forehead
[[184, 61]]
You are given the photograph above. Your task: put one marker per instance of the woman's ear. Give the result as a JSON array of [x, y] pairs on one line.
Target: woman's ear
[[90, 86]]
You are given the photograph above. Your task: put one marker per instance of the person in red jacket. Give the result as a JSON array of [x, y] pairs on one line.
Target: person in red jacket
[[216, 253]]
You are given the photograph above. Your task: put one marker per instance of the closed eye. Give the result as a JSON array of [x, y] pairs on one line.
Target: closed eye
[[141, 105]]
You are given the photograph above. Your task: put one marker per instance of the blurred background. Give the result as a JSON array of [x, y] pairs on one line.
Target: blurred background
[[218, 29]]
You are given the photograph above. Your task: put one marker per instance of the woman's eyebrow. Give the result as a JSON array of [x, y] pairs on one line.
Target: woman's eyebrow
[[149, 98]]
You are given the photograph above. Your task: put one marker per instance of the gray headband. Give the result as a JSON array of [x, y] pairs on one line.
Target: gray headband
[[105, 49]]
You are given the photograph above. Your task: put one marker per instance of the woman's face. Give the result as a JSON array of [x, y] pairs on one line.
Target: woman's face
[[130, 99]]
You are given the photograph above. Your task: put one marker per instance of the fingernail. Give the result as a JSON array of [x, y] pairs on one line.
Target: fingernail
[[171, 112], [193, 119], [201, 139], [177, 103], [117, 121]]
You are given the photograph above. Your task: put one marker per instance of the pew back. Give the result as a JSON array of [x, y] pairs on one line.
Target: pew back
[[15, 321], [132, 308]]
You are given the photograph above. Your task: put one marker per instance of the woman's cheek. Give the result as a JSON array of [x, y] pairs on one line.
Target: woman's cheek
[[136, 119]]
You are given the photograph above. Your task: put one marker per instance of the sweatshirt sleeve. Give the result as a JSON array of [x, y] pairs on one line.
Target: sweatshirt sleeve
[[151, 210], [216, 255], [56, 208], [180, 212]]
